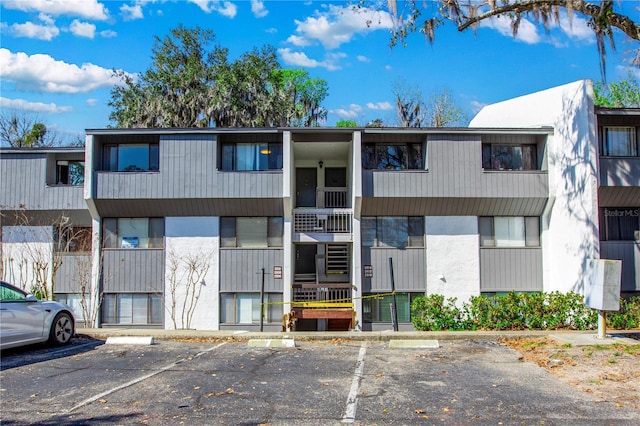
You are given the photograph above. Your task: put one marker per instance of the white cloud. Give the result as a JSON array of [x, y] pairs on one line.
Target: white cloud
[[301, 59], [92, 102], [43, 73], [477, 106], [351, 112], [108, 34], [23, 105], [527, 32], [384, 106], [88, 9], [225, 8], [272, 30], [30, 30], [82, 29], [338, 25], [258, 9], [387, 67], [576, 28], [131, 13], [363, 58]]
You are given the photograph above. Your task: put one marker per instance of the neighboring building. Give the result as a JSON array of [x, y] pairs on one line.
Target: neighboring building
[[45, 224], [190, 225]]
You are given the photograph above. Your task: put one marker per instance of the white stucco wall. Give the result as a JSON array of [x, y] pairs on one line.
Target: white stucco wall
[[186, 237], [453, 261], [570, 224], [22, 247]]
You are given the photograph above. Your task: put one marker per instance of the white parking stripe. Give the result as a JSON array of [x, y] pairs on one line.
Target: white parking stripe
[[138, 380], [352, 400]]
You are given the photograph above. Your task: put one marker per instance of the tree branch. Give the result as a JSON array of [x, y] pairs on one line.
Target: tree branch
[[595, 12]]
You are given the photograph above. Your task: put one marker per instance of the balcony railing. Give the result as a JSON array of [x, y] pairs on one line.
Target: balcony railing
[[325, 221], [326, 294], [331, 197]]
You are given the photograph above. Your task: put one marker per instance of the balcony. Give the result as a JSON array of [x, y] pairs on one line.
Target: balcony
[[323, 221]]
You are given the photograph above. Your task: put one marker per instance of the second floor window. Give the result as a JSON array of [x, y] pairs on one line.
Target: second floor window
[[69, 172], [509, 157], [133, 232], [509, 231], [251, 156], [619, 142], [140, 157], [395, 156], [251, 231]]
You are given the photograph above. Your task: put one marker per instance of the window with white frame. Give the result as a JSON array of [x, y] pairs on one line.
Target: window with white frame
[[619, 141], [392, 156], [619, 224], [392, 231], [132, 308], [509, 157], [509, 231], [133, 232], [251, 231], [131, 157], [251, 156], [244, 308]]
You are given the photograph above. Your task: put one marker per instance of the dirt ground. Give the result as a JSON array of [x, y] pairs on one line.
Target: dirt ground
[[609, 372]]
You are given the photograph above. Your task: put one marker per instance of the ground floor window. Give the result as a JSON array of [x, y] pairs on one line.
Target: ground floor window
[[378, 309], [132, 308], [509, 231], [244, 308], [74, 300]]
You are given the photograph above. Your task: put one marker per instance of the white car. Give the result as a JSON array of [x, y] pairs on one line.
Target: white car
[[25, 320]]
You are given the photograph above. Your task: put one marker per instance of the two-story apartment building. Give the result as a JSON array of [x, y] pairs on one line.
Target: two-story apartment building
[[191, 226]]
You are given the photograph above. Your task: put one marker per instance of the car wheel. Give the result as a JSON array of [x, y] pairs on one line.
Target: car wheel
[[61, 329]]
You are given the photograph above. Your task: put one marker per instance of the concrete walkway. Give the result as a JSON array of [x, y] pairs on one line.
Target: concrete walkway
[[576, 338]]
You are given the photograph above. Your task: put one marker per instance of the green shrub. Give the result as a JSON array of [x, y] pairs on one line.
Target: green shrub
[[627, 317], [433, 313], [518, 311]]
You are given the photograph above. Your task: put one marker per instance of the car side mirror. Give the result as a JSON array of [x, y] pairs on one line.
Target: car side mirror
[[30, 298]]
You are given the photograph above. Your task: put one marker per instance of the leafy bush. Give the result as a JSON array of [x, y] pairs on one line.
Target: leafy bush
[[432, 313], [518, 311], [628, 316]]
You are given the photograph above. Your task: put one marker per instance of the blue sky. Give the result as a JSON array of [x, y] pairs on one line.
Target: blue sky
[[57, 56]]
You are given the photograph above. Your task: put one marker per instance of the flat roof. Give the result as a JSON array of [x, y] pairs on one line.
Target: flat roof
[[371, 130]]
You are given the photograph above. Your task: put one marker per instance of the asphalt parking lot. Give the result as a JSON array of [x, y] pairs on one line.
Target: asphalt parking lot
[[315, 383]]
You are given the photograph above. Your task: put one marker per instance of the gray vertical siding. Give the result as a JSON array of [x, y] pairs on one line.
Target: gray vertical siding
[[619, 171], [629, 253], [408, 269], [240, 269], [506, 269], [75, 269], [28, 173], [133, 271], [455, 183]]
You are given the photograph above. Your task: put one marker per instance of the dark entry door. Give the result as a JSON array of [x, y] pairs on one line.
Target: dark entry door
[[335, 177], [306, 258], [306, 183]]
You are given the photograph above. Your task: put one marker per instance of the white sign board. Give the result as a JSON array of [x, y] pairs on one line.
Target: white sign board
[[602, 289]]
